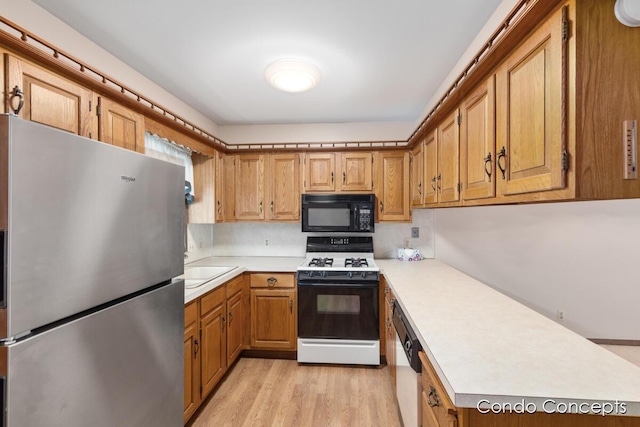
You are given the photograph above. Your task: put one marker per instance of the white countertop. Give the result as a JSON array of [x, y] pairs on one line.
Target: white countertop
[[253, 264], [485, 345]]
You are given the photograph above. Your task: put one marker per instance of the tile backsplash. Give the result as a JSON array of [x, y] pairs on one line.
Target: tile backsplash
[[199, 242], [283, 239]]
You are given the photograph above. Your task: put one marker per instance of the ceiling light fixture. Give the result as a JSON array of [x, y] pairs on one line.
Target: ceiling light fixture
[[292, 75]]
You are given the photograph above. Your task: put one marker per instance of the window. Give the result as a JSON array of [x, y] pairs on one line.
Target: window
[[169, 151]]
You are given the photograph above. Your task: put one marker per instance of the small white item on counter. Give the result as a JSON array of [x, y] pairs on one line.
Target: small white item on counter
[[409, 254]]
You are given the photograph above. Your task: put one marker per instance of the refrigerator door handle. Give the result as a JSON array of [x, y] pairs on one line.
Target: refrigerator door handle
[[3, 268]]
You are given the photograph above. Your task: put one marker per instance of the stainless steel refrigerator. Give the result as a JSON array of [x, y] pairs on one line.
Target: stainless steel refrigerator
[[91, 325]]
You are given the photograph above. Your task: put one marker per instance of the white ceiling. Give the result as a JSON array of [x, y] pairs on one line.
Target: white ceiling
[[381, 60]]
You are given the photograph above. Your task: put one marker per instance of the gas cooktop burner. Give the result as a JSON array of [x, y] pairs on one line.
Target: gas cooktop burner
[[356, 262], [321, 262]]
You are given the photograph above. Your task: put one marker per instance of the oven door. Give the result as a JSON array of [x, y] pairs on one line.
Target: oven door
[[338, 311]]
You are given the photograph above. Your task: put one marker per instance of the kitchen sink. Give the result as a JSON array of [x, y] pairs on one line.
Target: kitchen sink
[[198, 276]]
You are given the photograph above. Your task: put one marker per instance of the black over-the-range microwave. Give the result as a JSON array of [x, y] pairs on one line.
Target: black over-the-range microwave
[[338, 212]]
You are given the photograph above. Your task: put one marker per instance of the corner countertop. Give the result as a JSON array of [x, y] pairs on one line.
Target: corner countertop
[[485, 345], [253, 264]]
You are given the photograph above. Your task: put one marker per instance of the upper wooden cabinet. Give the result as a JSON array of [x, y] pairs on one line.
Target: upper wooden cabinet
[[202, 210], [356, 172], [531, 117], [48, 98], [477, 143], [319, 172], [120, 126], [431, 167], [349, 172], [417, 175], [249, 172], [448, 178], [392, 186], [283, 184], [225, 178]]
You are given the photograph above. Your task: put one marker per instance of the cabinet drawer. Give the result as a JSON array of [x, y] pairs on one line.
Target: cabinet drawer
[[272, 280], [234, 285], [435, 398], [190, 313], [212, 300]]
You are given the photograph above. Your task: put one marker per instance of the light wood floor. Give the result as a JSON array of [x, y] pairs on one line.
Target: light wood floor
[[269, 392]]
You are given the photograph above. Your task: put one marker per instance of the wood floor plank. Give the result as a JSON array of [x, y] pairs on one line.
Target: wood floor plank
[[269, 392]]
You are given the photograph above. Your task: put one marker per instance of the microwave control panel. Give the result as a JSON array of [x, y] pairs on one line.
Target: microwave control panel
[[364, 218]]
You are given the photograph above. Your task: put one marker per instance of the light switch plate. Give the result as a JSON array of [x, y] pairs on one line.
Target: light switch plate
[[415, 232]]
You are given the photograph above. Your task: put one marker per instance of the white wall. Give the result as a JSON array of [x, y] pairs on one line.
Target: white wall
[[320, 132], [248, 239], [579, 257], [41, 23]]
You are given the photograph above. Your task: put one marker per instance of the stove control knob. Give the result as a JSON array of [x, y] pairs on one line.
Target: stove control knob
[[349, 274], [363, 274], [310, 273], [323, 274]]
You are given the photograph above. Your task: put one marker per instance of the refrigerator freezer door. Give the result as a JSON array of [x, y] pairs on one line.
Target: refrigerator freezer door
[[88, 223], [121, 366]]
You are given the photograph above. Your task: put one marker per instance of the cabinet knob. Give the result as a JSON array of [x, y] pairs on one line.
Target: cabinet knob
[[381, 206], [344, 178], [196, 347], [224, 320], [271, 281], [433, 183], [331, 177], [230, 318], [291, 306]]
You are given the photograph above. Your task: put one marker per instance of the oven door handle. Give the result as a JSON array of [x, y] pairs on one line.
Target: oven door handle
[[338, 285]]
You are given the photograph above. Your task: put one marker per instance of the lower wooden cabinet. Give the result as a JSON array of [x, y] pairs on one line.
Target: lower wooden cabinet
[[437, 408], [273, 312], [389, 331], [213, 336], [213, 340], [191, 359]]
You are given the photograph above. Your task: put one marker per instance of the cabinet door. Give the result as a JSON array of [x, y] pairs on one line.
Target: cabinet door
[[357, 172], [390, 348], [319, 172], [235, 318], [477, 143], [225, 188], [249, 186], [393, 190], [120, 126], [448, 149], [273, 319], [531, 123], [417, 175], [202, 211], [213, 326], [191, 360], [50, 99], [283, 178], [431, 167]]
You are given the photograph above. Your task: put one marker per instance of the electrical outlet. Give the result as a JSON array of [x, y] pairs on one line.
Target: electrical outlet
[[266, 242], [560, 314], [415, 232], [199, 244]]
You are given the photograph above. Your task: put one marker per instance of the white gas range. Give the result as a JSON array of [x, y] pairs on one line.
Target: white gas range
[[338, 305]]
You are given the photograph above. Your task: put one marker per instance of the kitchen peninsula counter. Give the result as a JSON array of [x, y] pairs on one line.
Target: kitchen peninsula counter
[[487, 346]]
